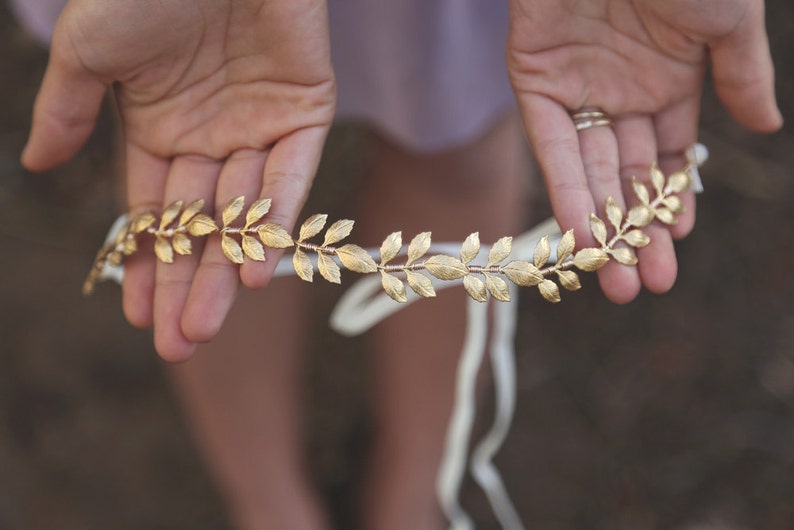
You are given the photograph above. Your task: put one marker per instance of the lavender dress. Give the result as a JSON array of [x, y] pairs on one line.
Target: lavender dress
[[428, 74]]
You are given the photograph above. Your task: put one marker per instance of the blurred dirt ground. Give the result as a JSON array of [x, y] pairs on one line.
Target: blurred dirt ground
[[673, 412]]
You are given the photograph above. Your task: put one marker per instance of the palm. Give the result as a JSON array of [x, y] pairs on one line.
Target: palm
[[218, 98], [643, 62], [208, 79], [627, 55]]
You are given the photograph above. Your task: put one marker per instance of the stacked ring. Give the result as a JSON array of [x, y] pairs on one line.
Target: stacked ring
[[588, 118]]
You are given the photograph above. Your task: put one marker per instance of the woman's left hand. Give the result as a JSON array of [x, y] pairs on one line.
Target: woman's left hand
[[642, 62]]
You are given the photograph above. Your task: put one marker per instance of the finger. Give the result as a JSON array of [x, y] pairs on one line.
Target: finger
[[288, 175], [190, 178], [146, 177], [554, 141], [217, 279], [599, 148], [656, 267], [676, 131], [65, 111], [636, 135], [744, 74]]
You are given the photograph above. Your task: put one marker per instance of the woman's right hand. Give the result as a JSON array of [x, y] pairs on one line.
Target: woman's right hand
[[218, 98]]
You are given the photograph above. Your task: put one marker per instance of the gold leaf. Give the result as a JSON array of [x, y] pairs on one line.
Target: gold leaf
[[476, 288], [130, 246], [253, 248], [122, 235], [391, 247], [542, 252], [640, 191], [274, 236], [657, 179], [312, 226], [497, 287], [232, 249], [674, 204], [637, 238], [393, 287], [590, 259], [328, 268], [549, 290], [569, 280], [500, 250], [418, 247], [640, 216], [679, 182], [256, 211], [623, 255], [614, 213], [470, 248], [182, 244], [90, 282], [522, 273], [163, 250], [190, 211], [232, 210], [666, 216], [598, 229], [170, 214], [142, 222], [356, 259], [302, 265], [421, 284], [201, 225], [115, 258], [338, 231], [565, 247], [446, 267]]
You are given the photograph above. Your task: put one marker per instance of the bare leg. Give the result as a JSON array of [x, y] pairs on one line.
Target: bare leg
[[244, 401], [242, 394], [476, 188]]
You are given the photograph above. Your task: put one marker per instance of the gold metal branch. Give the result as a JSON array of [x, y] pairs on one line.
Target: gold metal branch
[[173, 230]]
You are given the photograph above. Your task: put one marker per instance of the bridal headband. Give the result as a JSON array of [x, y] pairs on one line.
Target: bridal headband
[[542, 259], [246, 234]]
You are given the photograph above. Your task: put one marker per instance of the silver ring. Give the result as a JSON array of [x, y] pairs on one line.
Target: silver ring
[[588, 118]]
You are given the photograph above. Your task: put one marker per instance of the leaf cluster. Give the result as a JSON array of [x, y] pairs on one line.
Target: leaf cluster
[[351, 256]]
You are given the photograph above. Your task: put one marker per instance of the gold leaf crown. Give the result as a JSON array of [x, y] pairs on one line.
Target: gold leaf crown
[[173, 230]]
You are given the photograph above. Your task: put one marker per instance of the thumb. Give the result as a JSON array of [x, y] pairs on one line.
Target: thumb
[[66, 108], [744, 75]]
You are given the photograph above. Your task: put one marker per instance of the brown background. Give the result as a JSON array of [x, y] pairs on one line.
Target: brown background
[[673, 412]]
